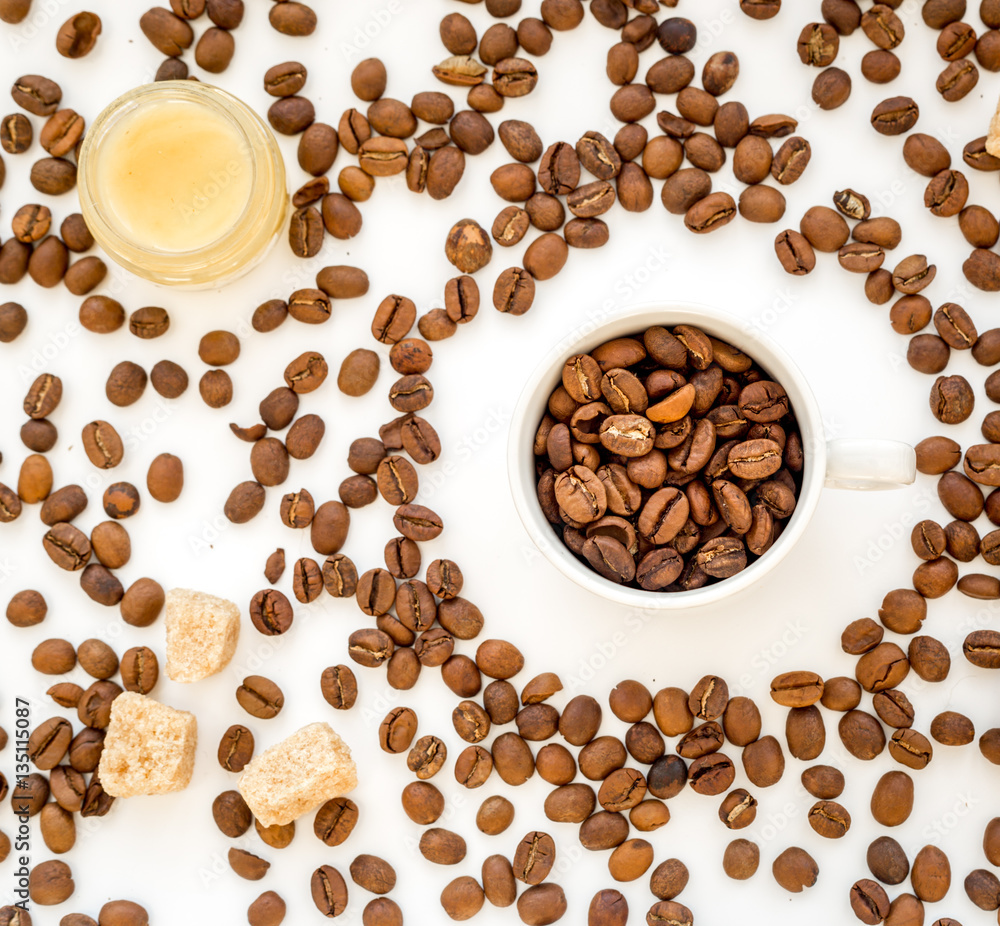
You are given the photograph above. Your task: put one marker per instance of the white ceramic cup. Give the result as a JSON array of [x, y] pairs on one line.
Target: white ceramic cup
[[841, 463]]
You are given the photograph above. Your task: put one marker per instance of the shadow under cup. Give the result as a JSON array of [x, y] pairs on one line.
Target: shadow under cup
[[532, 406]]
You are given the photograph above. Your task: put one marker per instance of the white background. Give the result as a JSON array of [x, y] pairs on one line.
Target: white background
[[166, 851]]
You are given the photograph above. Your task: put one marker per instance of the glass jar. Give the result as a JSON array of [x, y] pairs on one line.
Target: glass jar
[[183, 184]]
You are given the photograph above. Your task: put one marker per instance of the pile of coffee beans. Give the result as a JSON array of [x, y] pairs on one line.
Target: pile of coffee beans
[[668, 459]]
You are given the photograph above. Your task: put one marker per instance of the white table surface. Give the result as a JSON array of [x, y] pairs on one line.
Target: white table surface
[[166, 851]]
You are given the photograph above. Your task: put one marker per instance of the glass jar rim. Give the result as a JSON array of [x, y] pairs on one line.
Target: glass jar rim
[[234, 110]]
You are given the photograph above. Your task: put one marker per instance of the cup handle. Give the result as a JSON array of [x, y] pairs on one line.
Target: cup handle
[[869, 464]]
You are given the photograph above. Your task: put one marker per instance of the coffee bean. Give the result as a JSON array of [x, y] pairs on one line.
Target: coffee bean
[[335, 821], [831, 88], [761, 204], [329, 891], [231, 813], [285, 79], [952, 399], [13, 320], [397, 730], [930, 874], [260, 697], [50, 883], [794, 870], [741, 859], [710, 213], [795, 253], [895, 116], [442, 847], [542, 903], [880, 67], [829, 819], [26, 609], [869, 901], [373, 874]]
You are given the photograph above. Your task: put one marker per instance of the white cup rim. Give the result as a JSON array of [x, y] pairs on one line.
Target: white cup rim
[[532, 404]]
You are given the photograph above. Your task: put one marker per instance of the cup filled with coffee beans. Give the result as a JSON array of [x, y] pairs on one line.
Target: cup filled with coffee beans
[[668, 458]]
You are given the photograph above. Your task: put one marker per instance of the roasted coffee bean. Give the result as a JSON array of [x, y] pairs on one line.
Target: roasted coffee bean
[[791, 160], [422, 802], [442, 847], [818, 44], [277, 836], [761, 204], [795, 253], [53, 176], [712, 774], [542, 903], [831, 88], [231, 813], [763, 761], [983, 889], [895, 116], [14, 257], [335, 821], [869, 901], [111, 544], [50, 883], [794, 870], [738, 809], [930, 874], [892, 799], [329, 891], [397, 730], [260, 697], [829, 819], [741, 858], [952, 399]]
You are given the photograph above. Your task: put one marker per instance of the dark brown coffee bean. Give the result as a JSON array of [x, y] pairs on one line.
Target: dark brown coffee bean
[[260, 697], [305, 232], [710, 213], [295, 19], [336, 819], [895, 116], [48, 262], [926, 353], [861, 734], [442, 847], [285, 79], [952, 400], [245, 502], [946, 193], [794, 870], [167, 32], [818, 44], [930, 874], [880, 67], [329, 891], [794, 252], [982, 270], [26, 609]]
